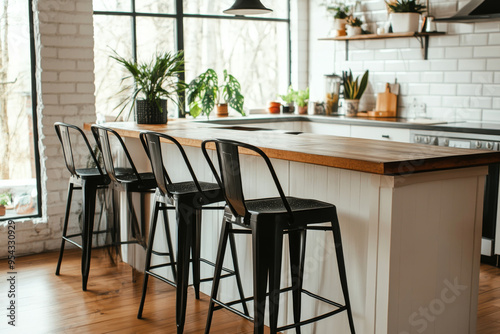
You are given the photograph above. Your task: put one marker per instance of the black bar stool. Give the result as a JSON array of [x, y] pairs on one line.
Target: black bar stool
[[89, 180], [269, 219], [189, 199], [129, 180]]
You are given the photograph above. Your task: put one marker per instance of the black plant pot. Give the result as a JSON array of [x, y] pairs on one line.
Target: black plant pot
[[147, 112]]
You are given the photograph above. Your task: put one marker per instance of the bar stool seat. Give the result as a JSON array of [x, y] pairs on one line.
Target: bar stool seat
[[268, 219]]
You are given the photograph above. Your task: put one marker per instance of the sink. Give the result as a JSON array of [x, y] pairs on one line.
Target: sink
[[247, 128]]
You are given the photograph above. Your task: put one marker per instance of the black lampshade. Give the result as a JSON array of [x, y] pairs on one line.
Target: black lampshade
[[247, 7]]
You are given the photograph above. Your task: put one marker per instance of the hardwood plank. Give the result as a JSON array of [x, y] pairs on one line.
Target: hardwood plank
[[56, 304]]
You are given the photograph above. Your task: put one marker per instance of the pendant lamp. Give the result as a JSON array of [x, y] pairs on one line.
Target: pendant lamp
[[247, 7]]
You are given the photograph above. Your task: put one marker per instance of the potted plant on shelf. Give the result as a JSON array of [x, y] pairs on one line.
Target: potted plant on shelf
[[353, 90], [154, 83], [341, 13], [288, 98], [204, 92], [4, 201], [354, 26], [405, 15], [302, 98]]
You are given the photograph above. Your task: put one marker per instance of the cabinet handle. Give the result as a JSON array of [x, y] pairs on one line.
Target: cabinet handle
[[385, 136]]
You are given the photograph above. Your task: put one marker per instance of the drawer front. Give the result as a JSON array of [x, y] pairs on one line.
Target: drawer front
[[327, 129], [380, 133]]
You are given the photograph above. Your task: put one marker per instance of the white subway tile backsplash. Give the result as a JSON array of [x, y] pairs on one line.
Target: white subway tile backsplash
[[493, 64], [458, 52], [446, 40], [473, 39], [472, 64], [486, 51], [459, 81], [494, 39], [443, 89], [491, 90], [486, 27], [456, 101], [481, 102], [469, 89], [468, 114], [444, 65], [482, 77], [432, 76], [458, 77]]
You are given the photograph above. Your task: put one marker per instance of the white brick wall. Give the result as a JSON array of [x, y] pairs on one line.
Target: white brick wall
[[460, 81], [65, 88]]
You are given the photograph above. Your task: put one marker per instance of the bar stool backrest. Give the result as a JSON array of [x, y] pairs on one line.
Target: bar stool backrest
[[63, 131], [230, 170], [152, 145], [101, 135]]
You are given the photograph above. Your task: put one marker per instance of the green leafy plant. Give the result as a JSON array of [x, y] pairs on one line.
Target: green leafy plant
[[354, 21], [341, 10], [289, 96], [354, 89], [5, 199], [302, 97], [204, 92], [154, 80], [405, 6]]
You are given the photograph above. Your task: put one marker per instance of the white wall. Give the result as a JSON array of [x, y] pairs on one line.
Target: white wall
[[460, 81], [65, 92]]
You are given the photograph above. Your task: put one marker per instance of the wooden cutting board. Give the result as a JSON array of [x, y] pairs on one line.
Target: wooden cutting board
[[387, 104]]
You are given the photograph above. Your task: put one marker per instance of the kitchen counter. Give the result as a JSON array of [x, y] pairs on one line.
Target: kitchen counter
[[411, 240], [357, 154]]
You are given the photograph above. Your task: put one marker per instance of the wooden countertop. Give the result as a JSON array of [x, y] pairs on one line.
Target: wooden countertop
[[364, 155]]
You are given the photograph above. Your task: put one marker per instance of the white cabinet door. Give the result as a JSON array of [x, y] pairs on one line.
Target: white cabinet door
[[327, 129], [380, 133]]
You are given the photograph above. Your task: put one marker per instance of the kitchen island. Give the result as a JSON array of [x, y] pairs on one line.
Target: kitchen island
[[410, 217]]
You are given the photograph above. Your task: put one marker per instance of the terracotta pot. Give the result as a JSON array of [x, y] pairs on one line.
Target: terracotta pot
[[2, 210], [303, 110], [222, 110], [274, 107]]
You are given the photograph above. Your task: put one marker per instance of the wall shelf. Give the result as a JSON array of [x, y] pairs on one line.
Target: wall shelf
[[422, 37]]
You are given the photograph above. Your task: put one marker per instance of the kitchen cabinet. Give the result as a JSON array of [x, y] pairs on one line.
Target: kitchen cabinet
[[380, 133]]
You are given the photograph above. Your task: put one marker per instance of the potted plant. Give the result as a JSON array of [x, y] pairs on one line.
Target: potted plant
[[302, 98], [353, 90], [405, 15], [204, 92], [341, 13], [154, 83], [354, 26], [288, 98], [4, 201]]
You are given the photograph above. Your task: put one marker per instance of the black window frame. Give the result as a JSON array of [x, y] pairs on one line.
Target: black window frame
[[34, 119], [179, 24]]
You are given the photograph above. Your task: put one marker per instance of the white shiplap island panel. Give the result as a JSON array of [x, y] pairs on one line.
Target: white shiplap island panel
[[411, 241]]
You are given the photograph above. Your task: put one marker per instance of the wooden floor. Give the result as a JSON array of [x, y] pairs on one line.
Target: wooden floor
[[56, 304]]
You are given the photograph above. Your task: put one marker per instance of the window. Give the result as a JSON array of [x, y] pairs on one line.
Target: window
[[254, 49], [19, 167]]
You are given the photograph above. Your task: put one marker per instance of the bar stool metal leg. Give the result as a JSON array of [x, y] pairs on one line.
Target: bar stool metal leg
[[196, 254], [297, 246], [149, 250], [275, 278], [262, 241], [226, 226], [65, 226], [341, 265], [89, 198]]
